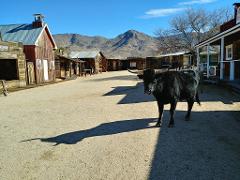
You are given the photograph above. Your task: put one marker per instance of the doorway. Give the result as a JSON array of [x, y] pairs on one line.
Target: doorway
[[45, 70]]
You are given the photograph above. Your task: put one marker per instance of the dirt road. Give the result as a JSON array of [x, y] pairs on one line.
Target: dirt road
[[102, 127]]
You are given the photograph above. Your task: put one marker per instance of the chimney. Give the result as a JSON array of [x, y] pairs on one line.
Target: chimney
[[237, 12], [38, 21]]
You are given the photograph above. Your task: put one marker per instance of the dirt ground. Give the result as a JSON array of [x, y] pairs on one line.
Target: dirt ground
[[102, 127]]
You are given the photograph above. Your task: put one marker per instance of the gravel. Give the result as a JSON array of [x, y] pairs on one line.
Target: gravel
[[102, 127]]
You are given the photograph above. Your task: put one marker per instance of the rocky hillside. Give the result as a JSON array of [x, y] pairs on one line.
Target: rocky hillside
[[129, 44]]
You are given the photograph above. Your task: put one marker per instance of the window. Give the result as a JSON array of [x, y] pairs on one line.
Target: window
[[133, 64], [229, 52], [238, 16]]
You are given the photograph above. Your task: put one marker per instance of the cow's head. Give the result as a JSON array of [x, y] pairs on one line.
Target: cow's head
[[148, 80]]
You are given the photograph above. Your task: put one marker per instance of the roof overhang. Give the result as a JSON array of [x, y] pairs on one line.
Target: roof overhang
[[174, 54], [217, 37]]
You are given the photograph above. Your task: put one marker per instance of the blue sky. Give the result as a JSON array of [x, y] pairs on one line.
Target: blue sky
[[102, 17]]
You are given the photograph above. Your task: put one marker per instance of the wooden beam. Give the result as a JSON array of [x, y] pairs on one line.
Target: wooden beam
[[5, 92]]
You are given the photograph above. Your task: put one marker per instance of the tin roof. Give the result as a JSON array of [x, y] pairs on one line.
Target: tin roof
[[83, 54], [174, 54], [24, 33]]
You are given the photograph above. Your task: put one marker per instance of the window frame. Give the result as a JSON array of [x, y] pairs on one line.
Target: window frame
[[227, 54], [238, 15], [133, 64]]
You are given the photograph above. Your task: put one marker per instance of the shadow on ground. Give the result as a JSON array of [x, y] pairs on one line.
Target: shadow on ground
[[101, 130], [125, 77], [208, 147], [134, 94]]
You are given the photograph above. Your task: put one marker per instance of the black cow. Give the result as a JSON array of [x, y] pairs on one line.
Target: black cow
[[170, 87]]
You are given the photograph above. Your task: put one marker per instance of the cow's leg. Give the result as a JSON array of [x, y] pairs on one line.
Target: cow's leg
[[172, 109], [190, 105], [160, 109]]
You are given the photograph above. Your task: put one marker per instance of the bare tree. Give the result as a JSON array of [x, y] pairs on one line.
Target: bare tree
[[192, 27]]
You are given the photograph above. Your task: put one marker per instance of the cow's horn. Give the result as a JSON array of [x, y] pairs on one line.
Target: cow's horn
[[134, 72]]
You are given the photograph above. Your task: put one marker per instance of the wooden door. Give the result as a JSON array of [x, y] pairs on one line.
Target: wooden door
[[226, 70], [237, 70], [45, 70], [30, 73], [114, 65]]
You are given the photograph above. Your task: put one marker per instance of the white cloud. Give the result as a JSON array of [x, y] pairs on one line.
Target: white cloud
[[196, 2], [154, 13]]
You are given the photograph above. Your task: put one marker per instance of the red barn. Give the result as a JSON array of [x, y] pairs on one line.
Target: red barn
[[38, 45]]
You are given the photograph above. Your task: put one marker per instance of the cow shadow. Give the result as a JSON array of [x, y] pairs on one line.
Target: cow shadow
[[104, 129]]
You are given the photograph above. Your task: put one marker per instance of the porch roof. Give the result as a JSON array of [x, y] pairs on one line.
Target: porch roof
[[69, 59], [218, 36], [85, 54], [174, 54]]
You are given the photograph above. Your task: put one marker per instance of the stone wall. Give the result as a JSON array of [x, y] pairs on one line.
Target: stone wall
[[12, 50]]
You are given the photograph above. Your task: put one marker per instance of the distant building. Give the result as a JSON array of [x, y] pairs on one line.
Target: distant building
[[38, 46], [95, 60], [136, 63], [66, 67], [114, 64], [222, 51], [172, 60]]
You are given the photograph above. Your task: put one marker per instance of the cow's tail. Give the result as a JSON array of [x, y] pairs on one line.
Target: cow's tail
[[197, 99]]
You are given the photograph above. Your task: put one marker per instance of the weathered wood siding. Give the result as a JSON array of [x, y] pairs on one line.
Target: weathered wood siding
[[44, 51], [140, 63], [113, 64]]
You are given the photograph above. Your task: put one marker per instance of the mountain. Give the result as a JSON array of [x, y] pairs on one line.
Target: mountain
[[129, 44]]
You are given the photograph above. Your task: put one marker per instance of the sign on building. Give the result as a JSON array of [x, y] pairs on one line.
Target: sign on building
[[3, 48]]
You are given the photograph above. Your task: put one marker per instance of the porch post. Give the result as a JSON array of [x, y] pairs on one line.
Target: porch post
[[222, 58], [208, 60], [198, 59], [231, 70]]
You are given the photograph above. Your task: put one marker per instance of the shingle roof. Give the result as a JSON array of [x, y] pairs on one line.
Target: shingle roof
[[23, 33], [84, 54]]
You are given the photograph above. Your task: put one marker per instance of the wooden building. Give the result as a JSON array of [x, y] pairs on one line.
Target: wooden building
[[179, 60], [12, 64], [65, 67], [227, 45], [38, 45], [114, 64], [136, 63], [156, 63], [94, 60]]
